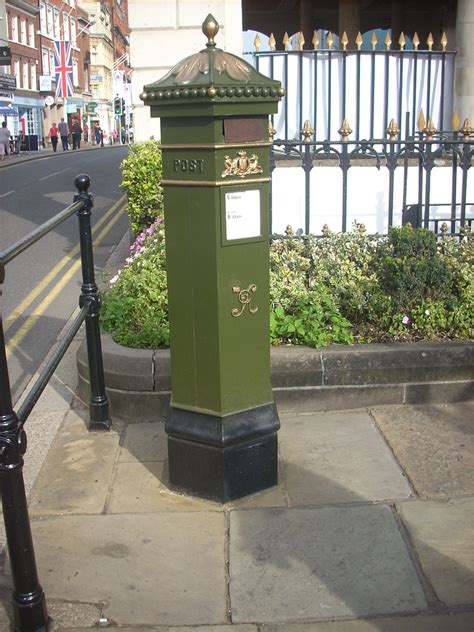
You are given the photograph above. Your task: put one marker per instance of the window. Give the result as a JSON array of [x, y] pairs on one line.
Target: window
[[75, 72], [33, 76], [66, 32], [50, 19], [45, 58], [52, 63], [25, 71], [14, 32], [16, 71], [73, 31], [57, 26], [23, 31], [31, 34], [43, 18], [30, 124]]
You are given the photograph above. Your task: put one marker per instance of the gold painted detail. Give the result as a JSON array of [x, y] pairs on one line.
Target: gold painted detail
[[345, 131], [344, 41], [416, 41], [307, 132], [315, 41], [241, 166], [210, 183], [188, 69], [392, 130], [359, 40], [245, 298]]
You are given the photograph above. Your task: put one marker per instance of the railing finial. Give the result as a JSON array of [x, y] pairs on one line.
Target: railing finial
[[307, 131], [344, 41], [82, 183], [373, 41], [345, 130], [315, 40], [359, 40], [416, 41], [392, 130]]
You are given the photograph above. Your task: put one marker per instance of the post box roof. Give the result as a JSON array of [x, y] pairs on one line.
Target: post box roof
[[212, 75]]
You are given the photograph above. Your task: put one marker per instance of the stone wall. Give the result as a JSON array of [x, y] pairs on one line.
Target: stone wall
[[163, 33]]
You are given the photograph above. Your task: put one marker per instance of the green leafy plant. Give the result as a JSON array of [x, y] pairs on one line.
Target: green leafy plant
[[141, 175]]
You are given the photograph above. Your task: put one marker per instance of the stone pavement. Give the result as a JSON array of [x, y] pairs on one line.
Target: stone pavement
[[15, 159], [370, 529]]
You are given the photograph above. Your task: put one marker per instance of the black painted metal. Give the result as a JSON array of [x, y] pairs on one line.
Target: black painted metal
[[455, 154], [29, 603], [98, 405]]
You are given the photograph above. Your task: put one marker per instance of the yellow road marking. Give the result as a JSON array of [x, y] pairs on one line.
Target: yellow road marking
[[46, 302], [26, 302]]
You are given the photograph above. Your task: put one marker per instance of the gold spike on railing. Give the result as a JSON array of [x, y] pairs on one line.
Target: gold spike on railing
[[307, 132], [444, 41], [455, 121], [286, 41], [257, 42], [392, 130], [345, 130], [430, 129], [373, 41], [466, 130], [401, 41], [300, 40], [272, 42], [430, 41], [315, 40], [359, 40], [416, 41], [271, 131], [421, 122], [388, 41], [444, 230], [344, 41], [330, 40]]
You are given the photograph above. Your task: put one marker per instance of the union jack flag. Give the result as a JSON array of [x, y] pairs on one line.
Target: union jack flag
[[63, 69]]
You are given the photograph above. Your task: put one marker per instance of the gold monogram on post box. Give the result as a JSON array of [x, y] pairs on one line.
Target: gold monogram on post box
[[241, 166]]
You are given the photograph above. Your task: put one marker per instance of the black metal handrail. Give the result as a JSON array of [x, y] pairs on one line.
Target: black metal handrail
[[29, 602]]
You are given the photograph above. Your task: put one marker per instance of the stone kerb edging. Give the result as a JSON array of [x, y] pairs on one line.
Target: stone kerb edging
[[304, 379]]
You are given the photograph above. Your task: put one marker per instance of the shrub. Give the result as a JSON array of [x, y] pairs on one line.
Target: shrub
[[339, 288], [141, 174], [135, 307]]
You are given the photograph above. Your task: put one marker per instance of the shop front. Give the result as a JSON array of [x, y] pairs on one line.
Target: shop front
[[28, 125]]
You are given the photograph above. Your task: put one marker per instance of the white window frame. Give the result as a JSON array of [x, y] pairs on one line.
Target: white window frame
[[31, 34], [73, 32], [52, 63], [23, 39], [14, 28], [16, 71], [45, 60], [75, 72], [33, 77], [50, 21], [25, 76], [57, 24], [43, 23], [66, 31]]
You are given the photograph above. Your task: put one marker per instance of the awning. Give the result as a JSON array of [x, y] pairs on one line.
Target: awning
[[8, 110]]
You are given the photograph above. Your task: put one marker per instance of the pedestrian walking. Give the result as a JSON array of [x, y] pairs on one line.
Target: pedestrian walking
[[86, 132], [5, 139], [76, 130], [98, 134], [64, 133], [53, 136]]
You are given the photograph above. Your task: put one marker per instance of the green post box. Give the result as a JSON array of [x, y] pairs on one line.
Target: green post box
[[222, 423]]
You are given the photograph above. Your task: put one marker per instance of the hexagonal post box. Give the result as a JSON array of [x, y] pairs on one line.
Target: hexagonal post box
[[222, 422]]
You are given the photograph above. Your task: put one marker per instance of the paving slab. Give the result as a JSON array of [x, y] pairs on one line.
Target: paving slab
[[77, 473], [144, 442], [443, 535], [144, 488], [421, 623], [158, 569], [434, 445], [319, 563], [335, 457]]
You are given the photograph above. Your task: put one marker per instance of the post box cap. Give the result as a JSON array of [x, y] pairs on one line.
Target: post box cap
[[212, 76]]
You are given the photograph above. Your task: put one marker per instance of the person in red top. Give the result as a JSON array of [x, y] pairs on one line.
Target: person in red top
[[53, 136]]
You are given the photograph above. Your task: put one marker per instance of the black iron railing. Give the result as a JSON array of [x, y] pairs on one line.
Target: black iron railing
[[440, 151], [29, 603]]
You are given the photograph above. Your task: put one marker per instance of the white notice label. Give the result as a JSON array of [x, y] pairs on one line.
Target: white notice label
[[242, 211]]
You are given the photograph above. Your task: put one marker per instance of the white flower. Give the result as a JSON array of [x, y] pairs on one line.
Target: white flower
[[405, 320], [427, 312]]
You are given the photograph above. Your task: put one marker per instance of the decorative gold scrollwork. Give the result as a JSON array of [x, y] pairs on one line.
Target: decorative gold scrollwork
[[245, 297], [241, 166]]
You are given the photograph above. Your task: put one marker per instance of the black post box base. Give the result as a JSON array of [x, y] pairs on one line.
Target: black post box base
[[223, 458]]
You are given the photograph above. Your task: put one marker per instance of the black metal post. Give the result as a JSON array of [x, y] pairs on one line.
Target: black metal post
[[99, 405], [344, 164], [307, 166], [29, 603], [391, 165]]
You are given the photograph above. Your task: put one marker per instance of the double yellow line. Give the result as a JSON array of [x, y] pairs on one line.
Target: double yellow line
[[59, 286]]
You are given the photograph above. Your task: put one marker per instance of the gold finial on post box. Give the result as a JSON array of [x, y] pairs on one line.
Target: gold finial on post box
[[210, 28]]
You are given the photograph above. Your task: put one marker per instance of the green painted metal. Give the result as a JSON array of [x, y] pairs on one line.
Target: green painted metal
[[215, 142]]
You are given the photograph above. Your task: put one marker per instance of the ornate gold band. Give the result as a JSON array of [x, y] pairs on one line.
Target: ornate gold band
[[212, 183]]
